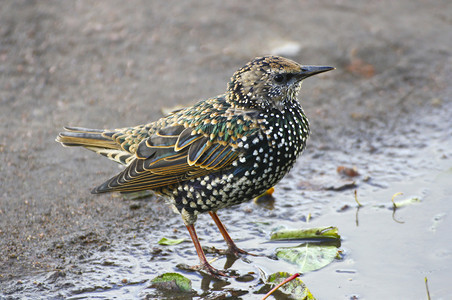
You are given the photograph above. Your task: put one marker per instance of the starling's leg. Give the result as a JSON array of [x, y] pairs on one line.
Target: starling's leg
[[232, 248], [202, 257]]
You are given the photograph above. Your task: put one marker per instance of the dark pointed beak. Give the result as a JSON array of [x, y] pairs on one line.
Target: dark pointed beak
[[308, 71]]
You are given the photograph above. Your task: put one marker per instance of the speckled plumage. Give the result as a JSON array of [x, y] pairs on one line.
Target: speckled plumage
[[220, 152]]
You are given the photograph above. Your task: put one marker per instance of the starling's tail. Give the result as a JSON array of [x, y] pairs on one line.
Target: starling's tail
[[97, 140], [85, 137]]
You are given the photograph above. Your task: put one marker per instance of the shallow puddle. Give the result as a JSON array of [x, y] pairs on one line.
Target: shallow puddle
[[384, 252]]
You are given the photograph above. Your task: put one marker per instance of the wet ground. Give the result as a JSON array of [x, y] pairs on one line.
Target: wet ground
[[386, 110]]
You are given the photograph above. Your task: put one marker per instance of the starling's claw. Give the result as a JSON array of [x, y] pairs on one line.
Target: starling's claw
[[237, 252], [206, 269], [212, 271]]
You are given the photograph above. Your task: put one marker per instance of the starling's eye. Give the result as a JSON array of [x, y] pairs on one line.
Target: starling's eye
[[279, 78]]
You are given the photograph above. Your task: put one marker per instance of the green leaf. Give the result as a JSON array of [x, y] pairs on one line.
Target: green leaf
[[170, 242], [330, 232], [172, 282], [309, 256], [295, 289]]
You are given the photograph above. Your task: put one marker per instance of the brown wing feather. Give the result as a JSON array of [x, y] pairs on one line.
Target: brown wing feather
[[170, 156]]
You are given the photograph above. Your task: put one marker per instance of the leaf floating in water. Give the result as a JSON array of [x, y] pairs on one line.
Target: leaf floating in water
[[309, 256], [330, 232], [404, 202], [295, 288], [400, 204], [172, 282], [170, 242], [347, 171], [342, 186]]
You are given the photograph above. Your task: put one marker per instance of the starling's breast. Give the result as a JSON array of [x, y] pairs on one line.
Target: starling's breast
[[276, 148]]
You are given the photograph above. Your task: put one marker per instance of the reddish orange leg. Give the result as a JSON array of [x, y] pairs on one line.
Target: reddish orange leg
[[233, 249], [202, 257]]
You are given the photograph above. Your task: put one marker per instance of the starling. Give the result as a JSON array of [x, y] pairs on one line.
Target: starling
[[217, 153]]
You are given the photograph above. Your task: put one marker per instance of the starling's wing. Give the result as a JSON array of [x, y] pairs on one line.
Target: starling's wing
[[172, 154]]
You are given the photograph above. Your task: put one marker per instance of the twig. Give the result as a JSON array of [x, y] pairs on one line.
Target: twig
[[356, 199], [394, 207], [356, 216], [426, 287], [357, 208], [281, 284]]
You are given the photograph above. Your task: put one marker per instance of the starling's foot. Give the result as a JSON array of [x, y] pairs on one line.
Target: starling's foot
[[237, 252], [212, 271], [233, 250], [205, 268]]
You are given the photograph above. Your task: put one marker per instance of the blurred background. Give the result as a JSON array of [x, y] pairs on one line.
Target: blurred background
[[385, 112]]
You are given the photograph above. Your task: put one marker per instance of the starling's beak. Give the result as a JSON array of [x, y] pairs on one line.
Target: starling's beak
[[308, 71]]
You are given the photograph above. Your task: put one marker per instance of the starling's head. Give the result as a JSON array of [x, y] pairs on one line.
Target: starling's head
[[268, 82]]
